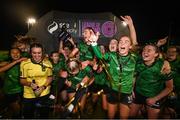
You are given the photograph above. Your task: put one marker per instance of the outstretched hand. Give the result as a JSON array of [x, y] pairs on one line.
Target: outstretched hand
[[162, 41], [94, 37], [151, 101], [34, 86], [127, 19], [21, 59], [38, 91], [166, 68]]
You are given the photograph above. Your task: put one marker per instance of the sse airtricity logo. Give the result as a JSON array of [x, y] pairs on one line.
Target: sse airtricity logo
[[52, 27]]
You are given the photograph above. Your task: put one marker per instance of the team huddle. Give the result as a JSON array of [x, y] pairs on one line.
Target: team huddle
[[129, 79]]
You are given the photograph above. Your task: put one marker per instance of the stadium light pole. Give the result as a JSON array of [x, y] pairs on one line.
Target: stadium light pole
[[31, 22]]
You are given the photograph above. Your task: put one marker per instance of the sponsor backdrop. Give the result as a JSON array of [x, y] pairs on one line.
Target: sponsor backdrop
[[48, 27]]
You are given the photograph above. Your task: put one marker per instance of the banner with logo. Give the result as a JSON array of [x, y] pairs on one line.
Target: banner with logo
[[108, 25]]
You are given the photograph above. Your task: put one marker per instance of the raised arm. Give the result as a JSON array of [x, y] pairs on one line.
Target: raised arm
[[94, 38], [60, 46], [162, 41], [9, 65], [128, 20]]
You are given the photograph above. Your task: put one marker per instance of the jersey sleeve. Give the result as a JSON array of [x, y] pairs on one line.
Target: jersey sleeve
[[23, 71], [49, 69]]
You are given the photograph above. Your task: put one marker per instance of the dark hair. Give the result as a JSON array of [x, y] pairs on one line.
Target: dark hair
[[36, 45], [9, 54], [154, 45], [176, 47], [68, 44], [127, 37], [90, 28], [53, 52], [15, 48], [172, 47], [20, 39]]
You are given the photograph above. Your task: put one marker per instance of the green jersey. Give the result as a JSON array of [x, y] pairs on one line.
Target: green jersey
[[79, 77], [100, 78], [12, 82], [127, 70], [25, 54], [4, 57], [56, 68], [56, 79], [113, 67], [150, 81], [121, 69], [175, 67], [86, 52]]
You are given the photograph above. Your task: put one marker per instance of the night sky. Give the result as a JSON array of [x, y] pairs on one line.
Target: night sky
[[152, 20]]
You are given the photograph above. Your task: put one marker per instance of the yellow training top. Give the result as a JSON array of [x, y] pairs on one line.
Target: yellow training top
[[38, 72]]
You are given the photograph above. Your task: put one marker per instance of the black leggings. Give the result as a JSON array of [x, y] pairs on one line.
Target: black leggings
[[35, 107]]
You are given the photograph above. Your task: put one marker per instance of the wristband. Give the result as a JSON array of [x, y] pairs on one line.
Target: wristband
[[94, 43]]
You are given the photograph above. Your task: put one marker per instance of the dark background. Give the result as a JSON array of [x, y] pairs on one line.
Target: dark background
[[152, 19]]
